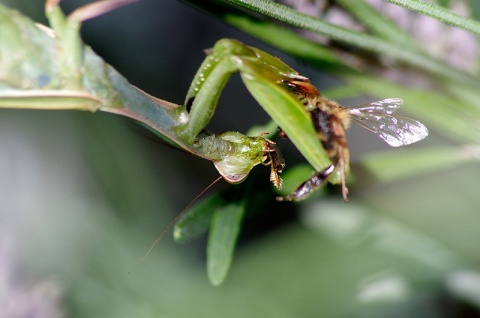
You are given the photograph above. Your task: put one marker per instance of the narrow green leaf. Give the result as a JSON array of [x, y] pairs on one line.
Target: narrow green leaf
[[271, 128], [392, 166], [440, 13], [222, 239], [342, 92], [197, 219], [378, 24]]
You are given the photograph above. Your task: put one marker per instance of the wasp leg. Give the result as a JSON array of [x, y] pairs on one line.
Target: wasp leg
[[281, 133], [308, 186], [343, 175], [342, 155]]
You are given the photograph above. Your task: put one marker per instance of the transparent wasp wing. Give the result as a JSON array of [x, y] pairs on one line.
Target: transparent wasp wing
[[396, 130]]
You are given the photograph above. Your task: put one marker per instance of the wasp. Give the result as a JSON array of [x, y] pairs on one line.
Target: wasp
[[331, 120]]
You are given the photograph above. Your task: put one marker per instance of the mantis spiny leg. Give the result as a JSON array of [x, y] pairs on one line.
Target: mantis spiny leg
[[266, 78]]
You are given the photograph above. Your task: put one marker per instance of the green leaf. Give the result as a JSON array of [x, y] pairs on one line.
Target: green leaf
[[222, 239], [197, 219], [440, 13], [392, 166], [378, 24]]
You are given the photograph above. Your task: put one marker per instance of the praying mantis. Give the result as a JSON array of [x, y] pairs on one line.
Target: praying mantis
[[73, 77]]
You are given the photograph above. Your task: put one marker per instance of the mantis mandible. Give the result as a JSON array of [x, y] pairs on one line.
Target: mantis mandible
[[68, 75]]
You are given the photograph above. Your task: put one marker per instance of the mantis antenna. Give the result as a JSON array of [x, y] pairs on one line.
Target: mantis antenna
[[176, 218]]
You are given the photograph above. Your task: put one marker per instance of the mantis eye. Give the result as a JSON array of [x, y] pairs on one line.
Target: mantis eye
[[230, 172], [235, 178]]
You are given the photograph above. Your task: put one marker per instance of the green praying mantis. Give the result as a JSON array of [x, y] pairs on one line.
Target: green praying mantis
[[58, 72]]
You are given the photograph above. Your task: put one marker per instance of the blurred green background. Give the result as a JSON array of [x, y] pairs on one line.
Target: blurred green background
[[82, 196]]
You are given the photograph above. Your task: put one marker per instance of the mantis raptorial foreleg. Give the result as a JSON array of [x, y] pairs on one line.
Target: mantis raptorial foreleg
[[267, 79]]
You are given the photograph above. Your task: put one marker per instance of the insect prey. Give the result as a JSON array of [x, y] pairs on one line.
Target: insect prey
[[330, 121]]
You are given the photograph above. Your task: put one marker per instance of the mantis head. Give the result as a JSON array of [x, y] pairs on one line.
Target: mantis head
[[247, 152]]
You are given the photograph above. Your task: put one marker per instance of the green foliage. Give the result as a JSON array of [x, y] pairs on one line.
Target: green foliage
[[197, 221], [223, 235]]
